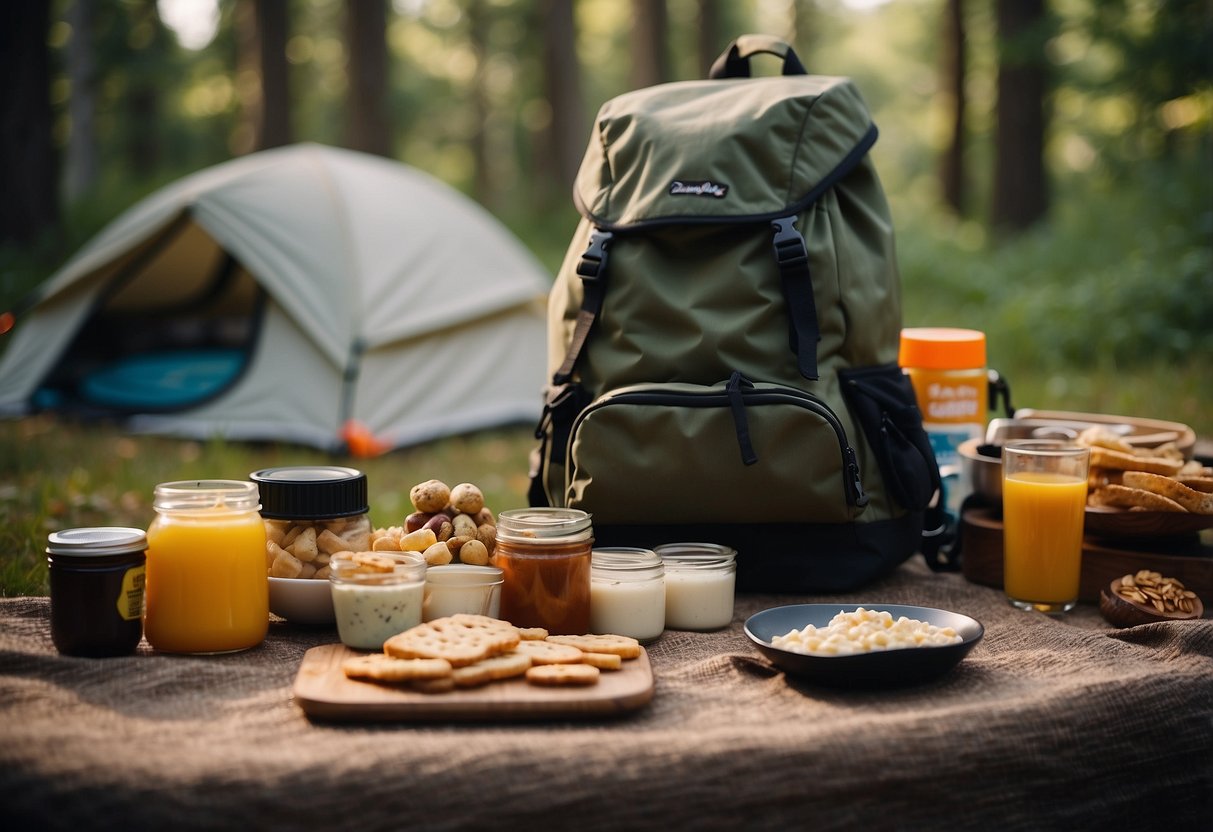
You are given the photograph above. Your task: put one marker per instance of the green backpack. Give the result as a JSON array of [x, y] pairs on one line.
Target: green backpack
[[723, 333]]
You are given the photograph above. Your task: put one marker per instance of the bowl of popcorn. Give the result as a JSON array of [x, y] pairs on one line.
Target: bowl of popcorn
[[867, 645]]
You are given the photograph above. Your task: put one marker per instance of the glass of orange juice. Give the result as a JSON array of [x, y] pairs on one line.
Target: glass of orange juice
[[1044, 496], [206, 590]]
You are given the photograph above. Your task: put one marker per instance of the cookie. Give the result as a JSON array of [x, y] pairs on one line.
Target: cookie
[[377, 667], [559, 675], [624, 646], [549, 652]]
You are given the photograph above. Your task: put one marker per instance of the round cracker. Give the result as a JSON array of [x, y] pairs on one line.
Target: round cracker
[[378, 667], [558, 675], [548, 652]]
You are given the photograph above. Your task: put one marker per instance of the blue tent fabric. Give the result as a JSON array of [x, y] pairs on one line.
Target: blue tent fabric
[[163, 381]]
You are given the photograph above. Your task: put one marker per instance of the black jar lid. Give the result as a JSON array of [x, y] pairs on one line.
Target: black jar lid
[[311, 491], [96, 541]]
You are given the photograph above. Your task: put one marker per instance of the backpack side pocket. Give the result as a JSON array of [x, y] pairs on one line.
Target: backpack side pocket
[[882, 402]]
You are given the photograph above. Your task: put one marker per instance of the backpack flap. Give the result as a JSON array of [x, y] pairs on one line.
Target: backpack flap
[[742, 150]]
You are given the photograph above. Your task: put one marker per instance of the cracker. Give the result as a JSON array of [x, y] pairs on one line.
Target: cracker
[[549, 652], [1107, 458], [1120, 496], [1192, 500], [532, 633], [442, 685], [457, 639], [559, 675], [492, 669], [378, 667], [603, 661], [623, 646]]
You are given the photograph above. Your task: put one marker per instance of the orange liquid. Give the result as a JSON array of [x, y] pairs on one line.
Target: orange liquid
[[207, 590], [1042, 515]]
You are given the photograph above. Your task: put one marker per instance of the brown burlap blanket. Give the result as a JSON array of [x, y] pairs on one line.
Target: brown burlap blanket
[[1046, 725]]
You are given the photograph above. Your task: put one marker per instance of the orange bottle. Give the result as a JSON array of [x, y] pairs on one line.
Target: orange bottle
[[947, 368]]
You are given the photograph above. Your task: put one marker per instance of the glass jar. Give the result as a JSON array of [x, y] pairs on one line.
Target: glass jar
[[96, 584], [700, 583], [627, 593], [544, 555], [311, 513], [462, 588], [206, 585], [376, 595]]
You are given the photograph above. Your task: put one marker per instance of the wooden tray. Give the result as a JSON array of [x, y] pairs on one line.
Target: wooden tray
[[1189, 559], [324, 692]]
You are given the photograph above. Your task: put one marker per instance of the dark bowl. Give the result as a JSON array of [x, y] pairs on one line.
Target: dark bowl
[[880, 669]]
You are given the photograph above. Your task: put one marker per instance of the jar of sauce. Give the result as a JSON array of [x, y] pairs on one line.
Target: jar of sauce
[[374, 603], [700, 583], [207, 590], [544, 555], [96, 583], [627, 593]]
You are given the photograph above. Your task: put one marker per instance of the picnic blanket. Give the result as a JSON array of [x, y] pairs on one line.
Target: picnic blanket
[[1047, 724]]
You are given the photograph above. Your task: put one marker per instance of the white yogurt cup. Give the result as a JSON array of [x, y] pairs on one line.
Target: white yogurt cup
[[462, 588], [700, 582], [627, 593]]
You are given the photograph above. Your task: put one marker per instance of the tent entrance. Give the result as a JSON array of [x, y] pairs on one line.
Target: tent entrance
[[172, 329]]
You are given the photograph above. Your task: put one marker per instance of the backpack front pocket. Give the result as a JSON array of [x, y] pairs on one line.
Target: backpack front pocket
[[737, 452]]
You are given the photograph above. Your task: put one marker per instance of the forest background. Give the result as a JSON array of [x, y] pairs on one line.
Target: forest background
[[1049, 166]]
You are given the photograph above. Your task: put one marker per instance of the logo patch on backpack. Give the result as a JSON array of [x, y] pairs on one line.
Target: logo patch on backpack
[[704, 188]]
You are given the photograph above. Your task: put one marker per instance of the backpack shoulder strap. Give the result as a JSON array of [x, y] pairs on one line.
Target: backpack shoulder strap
[[591, 268]]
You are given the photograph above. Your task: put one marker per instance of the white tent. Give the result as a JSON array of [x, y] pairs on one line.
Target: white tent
[[324, 286]]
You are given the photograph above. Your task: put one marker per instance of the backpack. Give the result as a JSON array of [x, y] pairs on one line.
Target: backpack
[[723, 333]]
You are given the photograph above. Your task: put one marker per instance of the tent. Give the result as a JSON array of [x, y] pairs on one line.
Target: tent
[[286, 295]]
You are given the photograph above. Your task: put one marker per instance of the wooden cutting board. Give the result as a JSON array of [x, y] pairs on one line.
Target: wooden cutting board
[[325, 693], [1189, 559]]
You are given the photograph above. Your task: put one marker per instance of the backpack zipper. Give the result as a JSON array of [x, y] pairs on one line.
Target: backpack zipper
[[853, 486]]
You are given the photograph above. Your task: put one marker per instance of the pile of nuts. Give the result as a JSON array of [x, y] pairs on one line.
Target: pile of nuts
[[1164, 594], [446, 524]]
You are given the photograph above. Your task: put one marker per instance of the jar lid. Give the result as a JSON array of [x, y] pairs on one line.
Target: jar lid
[[97, 541], [550, 525], [942, 348], [299, 492]]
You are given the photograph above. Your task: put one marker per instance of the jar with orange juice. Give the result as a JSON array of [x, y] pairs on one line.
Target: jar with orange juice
[[947, 368], [206, 590]]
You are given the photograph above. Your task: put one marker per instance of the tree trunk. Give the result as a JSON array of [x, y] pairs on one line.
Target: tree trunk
[[367, 73], [1020, 197], [273, 29], [566, 132], [482, 183], [28, 165], [952, 173], [805, 31], [142, 102], [81, 166], [709, 43], [650, 26]]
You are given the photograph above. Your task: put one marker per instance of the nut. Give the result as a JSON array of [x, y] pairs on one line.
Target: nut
[[1146, 596]]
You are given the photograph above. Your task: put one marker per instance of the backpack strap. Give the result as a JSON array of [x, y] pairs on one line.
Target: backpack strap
[[792, 257], [591, 268]]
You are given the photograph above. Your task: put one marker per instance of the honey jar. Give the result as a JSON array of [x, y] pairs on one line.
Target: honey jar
[[545, 557]]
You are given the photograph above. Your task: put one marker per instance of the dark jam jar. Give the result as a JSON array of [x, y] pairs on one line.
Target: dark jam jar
[[96, 580], [544, 555]]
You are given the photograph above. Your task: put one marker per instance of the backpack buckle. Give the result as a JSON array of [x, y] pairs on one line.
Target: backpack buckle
[[593, 260], [790, 248]]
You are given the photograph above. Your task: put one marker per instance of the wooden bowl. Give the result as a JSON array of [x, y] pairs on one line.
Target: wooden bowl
[[1125, 612]]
